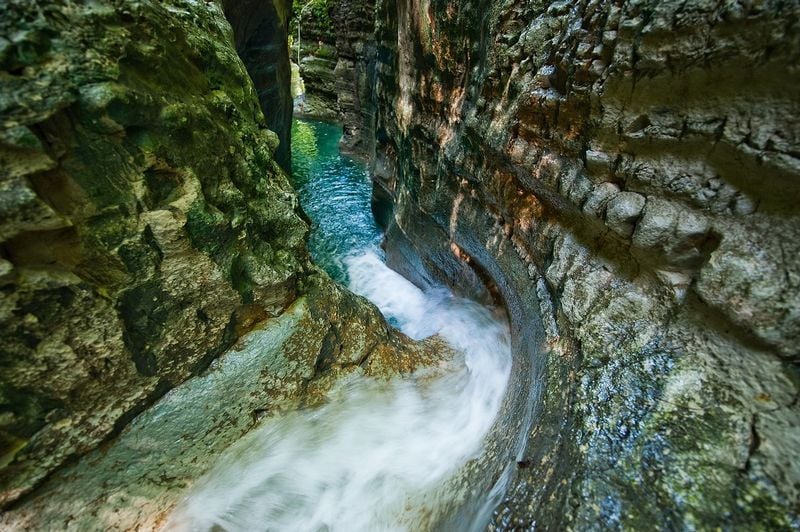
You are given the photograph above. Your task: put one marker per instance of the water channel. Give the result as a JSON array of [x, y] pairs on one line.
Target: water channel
[[378, 455]]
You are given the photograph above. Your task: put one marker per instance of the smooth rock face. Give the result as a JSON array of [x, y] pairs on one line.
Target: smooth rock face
[[146, 226], [625, 178]]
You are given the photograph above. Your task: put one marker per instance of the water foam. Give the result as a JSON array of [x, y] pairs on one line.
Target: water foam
[[372, 457], [377, 455]]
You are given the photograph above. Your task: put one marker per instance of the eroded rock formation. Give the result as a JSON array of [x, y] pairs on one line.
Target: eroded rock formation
[[355, 75], [145, 227], [338, 60], [624, 176], [318, 58]]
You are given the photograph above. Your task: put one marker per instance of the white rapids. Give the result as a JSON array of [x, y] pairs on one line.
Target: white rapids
[[377, 455], [373, 457]]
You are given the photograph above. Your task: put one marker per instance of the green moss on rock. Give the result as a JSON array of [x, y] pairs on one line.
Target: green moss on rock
[[139, 167]]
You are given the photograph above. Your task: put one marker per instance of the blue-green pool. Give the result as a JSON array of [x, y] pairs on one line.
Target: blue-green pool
[[335, 193], [380, 454]]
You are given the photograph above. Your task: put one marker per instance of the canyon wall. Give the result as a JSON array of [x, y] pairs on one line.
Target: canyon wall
[[354, 24], [624, 176], [146, 231], [260, 32], [338, 60], [318, 59]]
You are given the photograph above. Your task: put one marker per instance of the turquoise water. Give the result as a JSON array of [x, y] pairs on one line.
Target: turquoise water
[[335, 192], [379, 455]]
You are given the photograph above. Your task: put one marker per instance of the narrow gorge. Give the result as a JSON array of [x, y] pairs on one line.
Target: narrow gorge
[[399, 265]]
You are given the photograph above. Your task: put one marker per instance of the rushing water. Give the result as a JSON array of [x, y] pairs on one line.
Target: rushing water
[[377, 455]]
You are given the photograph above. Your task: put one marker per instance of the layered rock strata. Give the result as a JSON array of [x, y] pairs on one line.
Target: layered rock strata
[[624, 177], [338, 59], [317, 59], [355, 75]]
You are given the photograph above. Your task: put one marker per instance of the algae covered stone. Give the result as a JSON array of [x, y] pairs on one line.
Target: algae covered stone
[[140, 211]]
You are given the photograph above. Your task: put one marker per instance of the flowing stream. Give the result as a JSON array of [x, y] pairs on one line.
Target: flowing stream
[[377, 455]]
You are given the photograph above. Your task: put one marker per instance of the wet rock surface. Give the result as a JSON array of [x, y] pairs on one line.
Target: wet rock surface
[[338, 61], [287, 362], [355, 75], [624, 177], [145, 227]]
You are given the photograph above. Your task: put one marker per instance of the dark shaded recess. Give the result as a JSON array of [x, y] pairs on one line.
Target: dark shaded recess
[[331, 346], [382, 205], [144, 317], [163, 187], [29, 408], [241, 280], [261, 36], [30, 411]]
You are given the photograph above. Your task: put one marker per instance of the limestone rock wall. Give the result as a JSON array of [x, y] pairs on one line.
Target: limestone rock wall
[[261, 35], [145, 226], [134, 482], [318, 58], [624, 175], [338, 60], [355, 75]]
